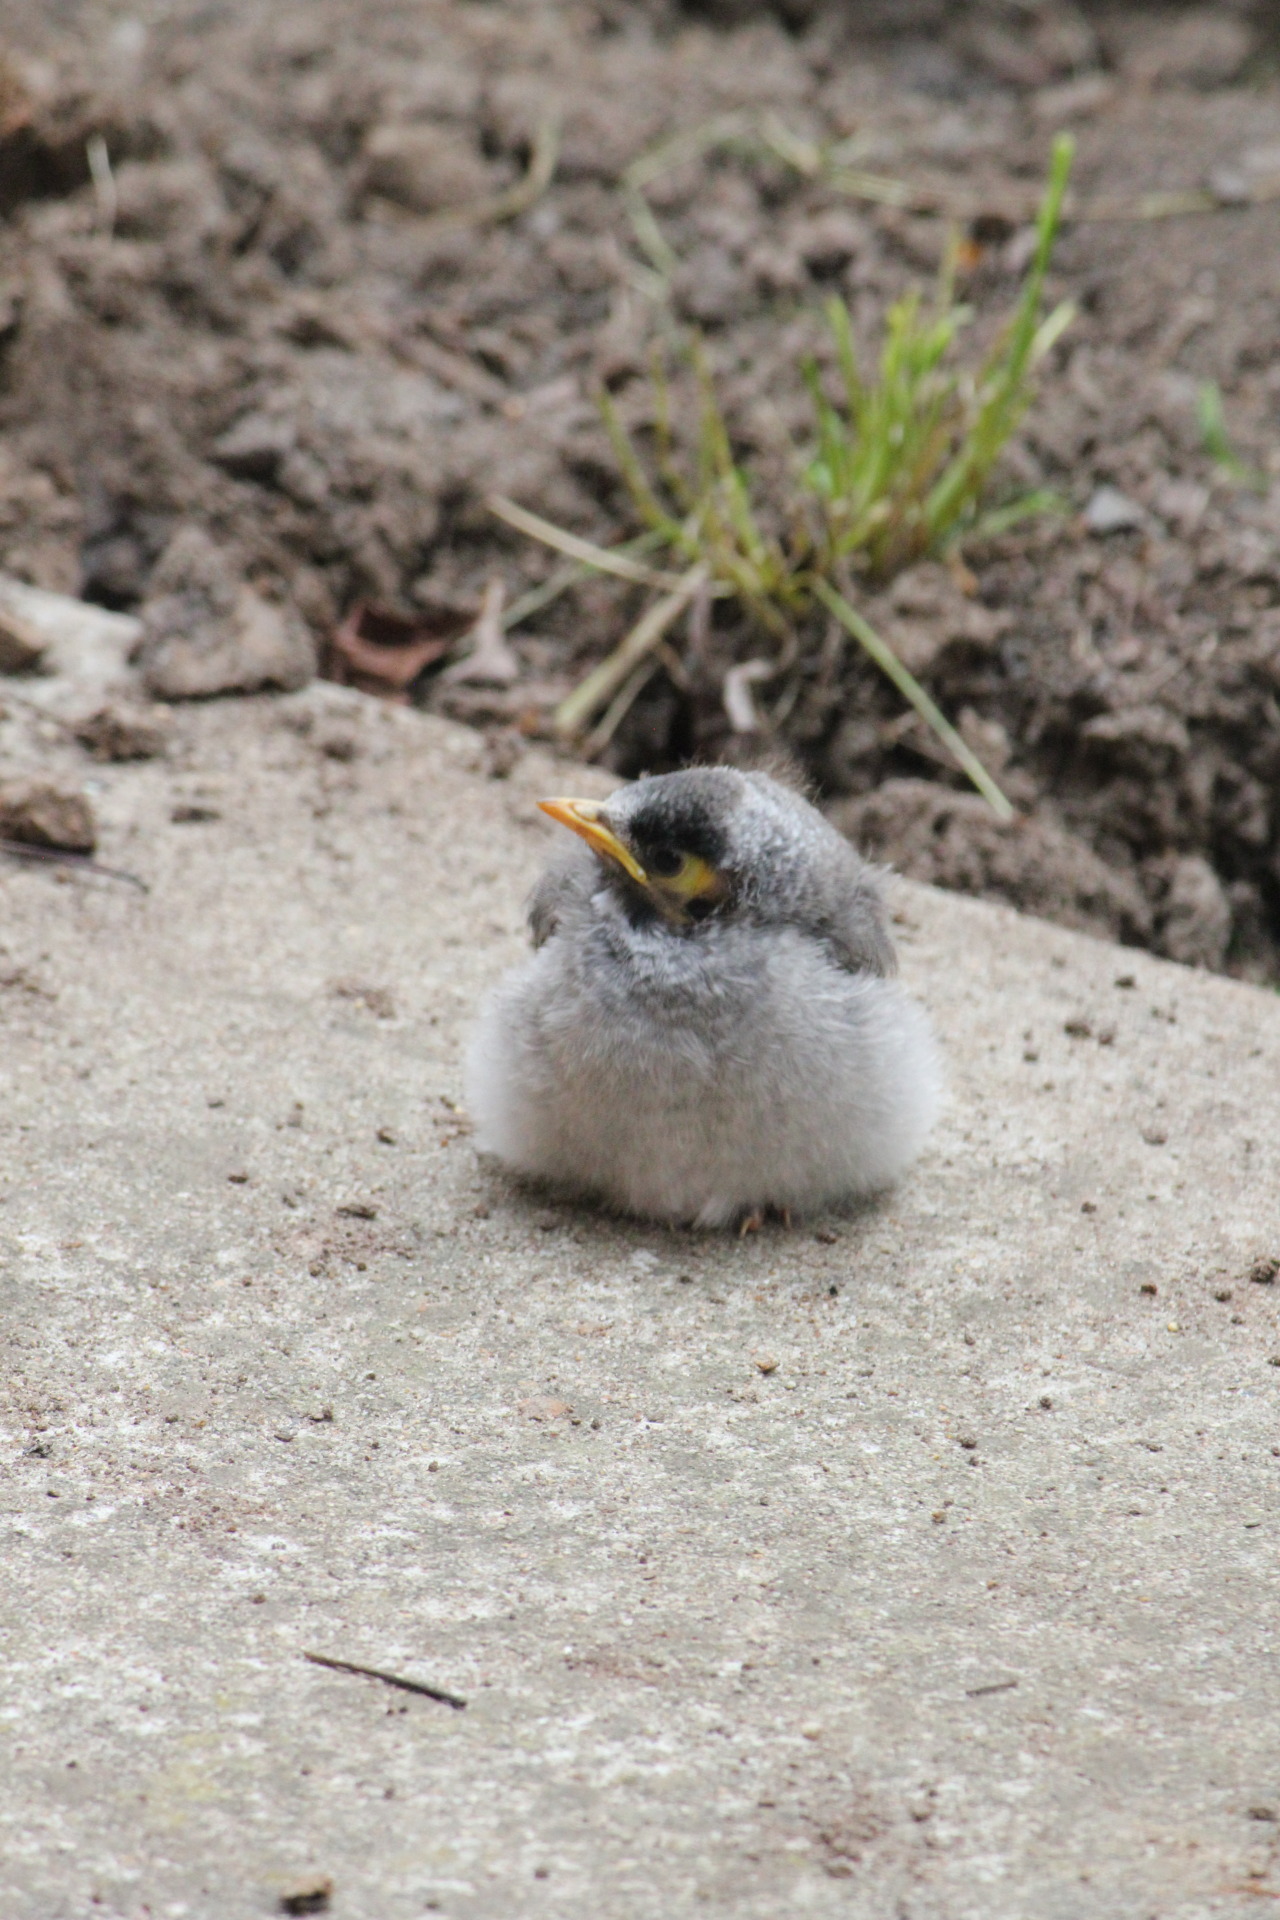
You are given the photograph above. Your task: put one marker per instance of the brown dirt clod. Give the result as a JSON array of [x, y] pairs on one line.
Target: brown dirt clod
[[121, 732], [40, 814]]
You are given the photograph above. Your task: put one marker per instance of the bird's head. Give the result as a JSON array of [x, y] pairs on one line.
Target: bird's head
[[712, 843], [664, 842]]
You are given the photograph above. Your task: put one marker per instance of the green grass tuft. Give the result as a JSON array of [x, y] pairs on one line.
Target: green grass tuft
[[899, 466], [904, 462]]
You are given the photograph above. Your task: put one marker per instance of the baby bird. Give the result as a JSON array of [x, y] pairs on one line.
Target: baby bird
[[706, 1028]]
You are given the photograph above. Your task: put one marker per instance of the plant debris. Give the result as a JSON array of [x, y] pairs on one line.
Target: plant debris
[[387, 1679], [383, 652]]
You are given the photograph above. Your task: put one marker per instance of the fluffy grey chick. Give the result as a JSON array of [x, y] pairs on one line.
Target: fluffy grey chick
[[706, 1027]]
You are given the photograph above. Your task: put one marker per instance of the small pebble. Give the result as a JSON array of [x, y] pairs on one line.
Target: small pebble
[[41, 814], [1110, 511], [311, 1894]]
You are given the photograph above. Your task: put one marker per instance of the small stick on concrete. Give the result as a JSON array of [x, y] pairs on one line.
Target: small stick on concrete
[[995, 1686], [63, 857], [387, 1679]]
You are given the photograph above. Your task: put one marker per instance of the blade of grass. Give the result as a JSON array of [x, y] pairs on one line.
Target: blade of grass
[[910, 689], [662, 256], [806, 156], [1050, 331], [568, 576], [1048, 220], [645, 500], [689, 145], [723, 467], [954, 495], [1000, 519], [602, 559], [1149, 206], [871, 186], [604, 681], [1217, 441]]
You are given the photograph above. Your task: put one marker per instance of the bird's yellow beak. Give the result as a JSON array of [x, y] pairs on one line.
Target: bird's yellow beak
[[585, 818]]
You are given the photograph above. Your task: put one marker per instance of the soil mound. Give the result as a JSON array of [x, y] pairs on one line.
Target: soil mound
[[307, 284]]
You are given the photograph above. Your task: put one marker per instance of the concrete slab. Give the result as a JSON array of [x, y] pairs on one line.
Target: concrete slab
[[921, 1563]]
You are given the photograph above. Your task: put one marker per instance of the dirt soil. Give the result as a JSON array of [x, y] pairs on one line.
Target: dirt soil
[[254, 373]]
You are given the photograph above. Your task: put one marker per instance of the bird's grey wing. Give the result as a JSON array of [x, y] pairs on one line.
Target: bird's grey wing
[[856, 918], [564, 890], [838, 896]]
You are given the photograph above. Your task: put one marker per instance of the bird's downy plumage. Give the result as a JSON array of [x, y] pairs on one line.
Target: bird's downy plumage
[[707, 1026]]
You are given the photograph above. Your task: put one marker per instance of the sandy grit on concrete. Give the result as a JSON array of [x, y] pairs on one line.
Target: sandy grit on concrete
[[919, 1563]]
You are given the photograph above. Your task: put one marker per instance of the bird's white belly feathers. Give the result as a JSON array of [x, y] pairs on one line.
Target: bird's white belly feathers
[[693, 1079]]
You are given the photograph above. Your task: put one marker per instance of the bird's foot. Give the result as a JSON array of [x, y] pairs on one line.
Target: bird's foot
[[753, 1221]]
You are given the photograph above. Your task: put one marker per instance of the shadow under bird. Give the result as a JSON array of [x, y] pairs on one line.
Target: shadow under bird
[[707, 1027]]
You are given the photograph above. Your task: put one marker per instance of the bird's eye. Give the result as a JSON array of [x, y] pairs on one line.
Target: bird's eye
[[664, 862]]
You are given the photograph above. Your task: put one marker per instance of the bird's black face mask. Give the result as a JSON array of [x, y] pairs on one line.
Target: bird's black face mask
[[666, 866]]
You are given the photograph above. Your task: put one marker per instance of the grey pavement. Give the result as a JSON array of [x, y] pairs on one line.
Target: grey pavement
[[920, 1563]]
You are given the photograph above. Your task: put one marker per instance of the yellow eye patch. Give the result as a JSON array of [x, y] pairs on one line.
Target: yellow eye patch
[[693, 879]]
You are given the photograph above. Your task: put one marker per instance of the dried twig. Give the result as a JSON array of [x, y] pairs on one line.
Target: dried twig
[[736, 694], [491, 661], [387, 1679], [62, 857]]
